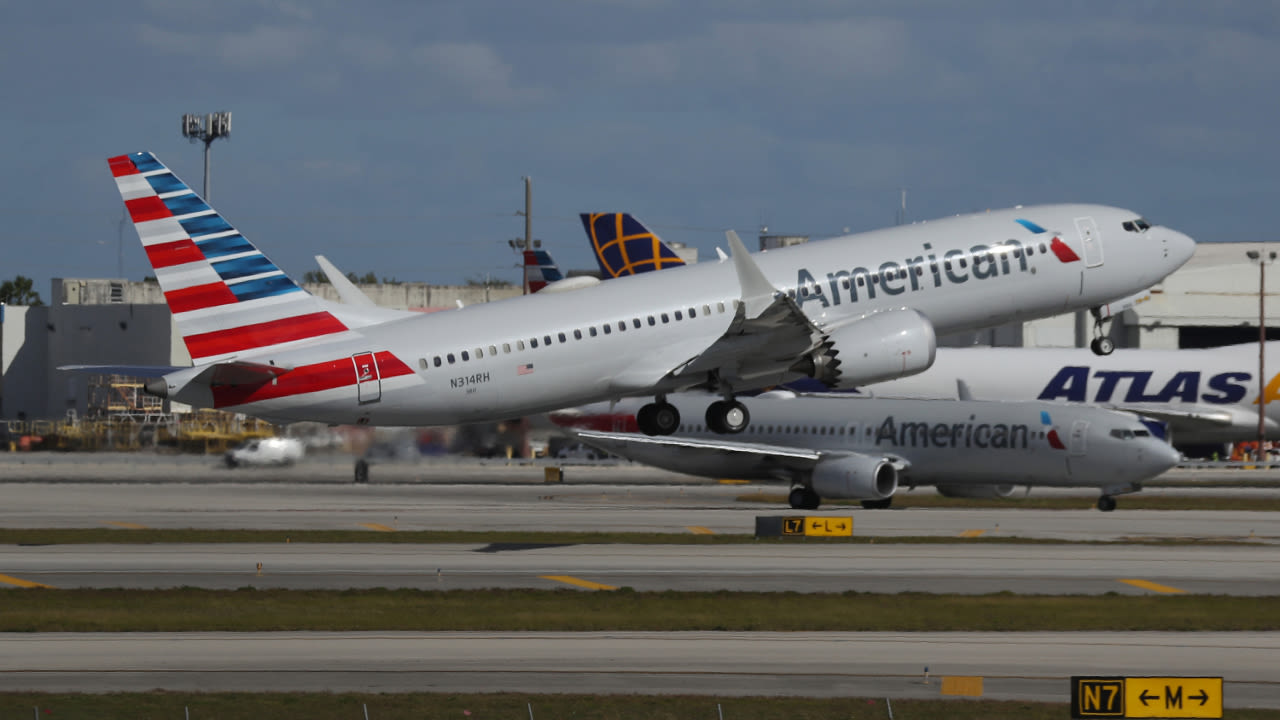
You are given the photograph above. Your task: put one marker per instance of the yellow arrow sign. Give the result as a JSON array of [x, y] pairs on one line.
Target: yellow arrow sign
[[1173, 697]]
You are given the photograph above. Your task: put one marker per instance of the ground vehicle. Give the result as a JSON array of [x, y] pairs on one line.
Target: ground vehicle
[[266, 451]]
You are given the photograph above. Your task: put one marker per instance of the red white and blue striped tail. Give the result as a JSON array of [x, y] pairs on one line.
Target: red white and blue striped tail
[[226, 297], [539, 270]]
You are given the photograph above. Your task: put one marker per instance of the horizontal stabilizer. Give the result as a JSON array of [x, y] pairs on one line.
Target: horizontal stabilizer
[[137, 371]]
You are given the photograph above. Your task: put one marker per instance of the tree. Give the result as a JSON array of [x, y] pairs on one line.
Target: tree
[[18, 291]]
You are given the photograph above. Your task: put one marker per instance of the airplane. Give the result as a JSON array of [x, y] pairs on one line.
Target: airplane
[[263, 346], [1206, 396], [843, 447]]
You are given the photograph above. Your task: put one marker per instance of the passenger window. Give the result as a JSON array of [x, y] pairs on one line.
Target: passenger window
[[493, 350], [465, 357], [577, 334], [605, 328], [533, 342], [592, 330], [506, 348], [546, 339], [679, 315], [706, 309], [562, 338], [635, 322], [652, 321], [436, 361], [449, 357], [665, 319], [720, 306], [520, 345], [422, 363], [693, 313]]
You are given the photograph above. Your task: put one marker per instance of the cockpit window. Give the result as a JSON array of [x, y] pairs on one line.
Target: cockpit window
[[1123, 434], [1135, 226], [1142, 433]]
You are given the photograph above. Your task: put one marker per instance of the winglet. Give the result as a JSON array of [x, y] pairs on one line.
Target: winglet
[[962, 390], [347, 290], [757, 291]]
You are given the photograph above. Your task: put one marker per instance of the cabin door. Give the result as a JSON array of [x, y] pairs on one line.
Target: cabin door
[[368, 380]]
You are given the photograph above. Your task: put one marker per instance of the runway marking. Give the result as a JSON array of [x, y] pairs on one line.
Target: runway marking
[[378, 526], [972, 533], [22, 583], [570, 580], [1154, 587], [700, 530], [126, 525], [730, 481]]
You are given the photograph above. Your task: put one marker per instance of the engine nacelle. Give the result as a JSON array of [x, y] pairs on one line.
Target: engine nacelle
[[882, 346], [855, 477], [975, 491]]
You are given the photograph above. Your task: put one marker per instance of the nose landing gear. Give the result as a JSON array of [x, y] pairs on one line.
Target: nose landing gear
[[1101, 344]]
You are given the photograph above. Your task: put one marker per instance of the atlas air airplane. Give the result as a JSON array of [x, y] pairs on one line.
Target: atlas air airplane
[[849, 311], [1206, 396], [865, 448]]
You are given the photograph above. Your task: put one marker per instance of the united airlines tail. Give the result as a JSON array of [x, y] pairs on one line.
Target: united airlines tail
[[225, 295], [625, 247]]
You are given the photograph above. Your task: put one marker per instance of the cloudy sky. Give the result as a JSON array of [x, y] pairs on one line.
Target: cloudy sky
[[392, 136]]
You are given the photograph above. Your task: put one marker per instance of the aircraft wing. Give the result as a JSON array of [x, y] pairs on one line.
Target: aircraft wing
[[1195, 416], [769, 333], [713, 457], [239, 372], [138, 371]]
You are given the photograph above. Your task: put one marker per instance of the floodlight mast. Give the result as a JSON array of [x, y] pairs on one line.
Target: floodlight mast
[[206, 129]]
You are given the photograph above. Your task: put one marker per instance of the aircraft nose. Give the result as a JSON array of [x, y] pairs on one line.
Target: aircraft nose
[[1179, 245], [1160, 457]]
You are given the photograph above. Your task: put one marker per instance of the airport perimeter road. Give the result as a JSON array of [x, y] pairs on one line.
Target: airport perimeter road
[[1032, 666], [582, 508], [1039, 569]]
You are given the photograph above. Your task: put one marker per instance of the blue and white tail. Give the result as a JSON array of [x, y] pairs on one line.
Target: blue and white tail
[[625, 247], [226, 297]]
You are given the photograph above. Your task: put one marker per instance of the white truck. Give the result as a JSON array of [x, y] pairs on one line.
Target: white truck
[[266, 451]]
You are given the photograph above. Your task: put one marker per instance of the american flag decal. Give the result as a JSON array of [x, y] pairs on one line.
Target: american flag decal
[[525, 369]]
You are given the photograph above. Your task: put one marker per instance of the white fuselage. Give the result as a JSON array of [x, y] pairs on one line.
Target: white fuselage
[[480, 362]]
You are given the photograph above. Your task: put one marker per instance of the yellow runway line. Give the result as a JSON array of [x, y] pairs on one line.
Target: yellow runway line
[[22, 583], [378, 526], [570, 580], [699, 530], [1154, 587], [126, 525], [731, 481], [972, 533]]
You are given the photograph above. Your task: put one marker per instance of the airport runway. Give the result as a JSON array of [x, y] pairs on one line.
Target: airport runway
[[608, 508], [1030, 666], [893, 568]]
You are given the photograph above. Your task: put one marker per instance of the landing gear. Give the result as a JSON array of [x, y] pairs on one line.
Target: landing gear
[[1106, 503], [727, 416], [362, 471], [882, 504], [1101, 344], [658, 418], [803, 498]]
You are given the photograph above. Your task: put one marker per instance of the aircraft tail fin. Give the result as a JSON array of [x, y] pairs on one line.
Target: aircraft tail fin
[[539, 270], [623, 246], [225, 295]]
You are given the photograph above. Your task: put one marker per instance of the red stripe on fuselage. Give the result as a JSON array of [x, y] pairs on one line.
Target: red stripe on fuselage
[[308, 379], [122, 165], [178, 252], [147, 208], [246, 337], [199, 297]]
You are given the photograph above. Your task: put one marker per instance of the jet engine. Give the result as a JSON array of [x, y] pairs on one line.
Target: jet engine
[[855, 477], [975, 491], [882, 346]]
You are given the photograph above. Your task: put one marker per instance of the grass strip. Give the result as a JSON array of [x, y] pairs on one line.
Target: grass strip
[[927, 498], [127, 536], [252, 610], [417, 706]]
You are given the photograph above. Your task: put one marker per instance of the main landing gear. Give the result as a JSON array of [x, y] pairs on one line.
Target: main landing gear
[[1106, 503], [803, 498], [1101, 343], [662, 418]]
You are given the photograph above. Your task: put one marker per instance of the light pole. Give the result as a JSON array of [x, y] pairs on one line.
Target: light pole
[[1262, 258], [206, 129]]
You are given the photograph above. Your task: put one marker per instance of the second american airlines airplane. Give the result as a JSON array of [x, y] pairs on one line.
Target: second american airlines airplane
[[848, 311]]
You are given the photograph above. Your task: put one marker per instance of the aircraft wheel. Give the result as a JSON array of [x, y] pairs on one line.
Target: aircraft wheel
[[878, 504], [1106, 503], [727, 416], [811, 499], [1102, 346], [362, 471], [658, 419], [796, 498]]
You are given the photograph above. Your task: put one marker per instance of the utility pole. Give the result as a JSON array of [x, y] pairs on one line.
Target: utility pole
[[206, 129], [1263, 258]]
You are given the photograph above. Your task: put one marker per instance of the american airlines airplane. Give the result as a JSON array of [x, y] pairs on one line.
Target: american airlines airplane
[[865, 448], [263, 346], [1206, 396]]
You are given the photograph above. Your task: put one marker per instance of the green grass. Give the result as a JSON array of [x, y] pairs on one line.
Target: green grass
[[250, 610], [425, 706], [927, 498]]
